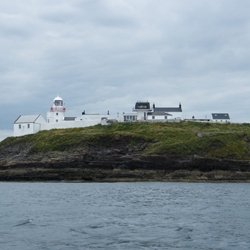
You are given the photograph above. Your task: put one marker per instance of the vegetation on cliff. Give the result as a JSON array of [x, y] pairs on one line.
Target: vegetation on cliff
[[225, 141]]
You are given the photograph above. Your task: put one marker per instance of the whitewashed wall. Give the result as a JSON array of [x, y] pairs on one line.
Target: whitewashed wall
[[140, 115], [25, 130], [158, 117], [52, 117], [33, 127], [80, 122]]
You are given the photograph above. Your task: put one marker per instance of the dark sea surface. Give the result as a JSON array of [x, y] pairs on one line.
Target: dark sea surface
[[124, 216]]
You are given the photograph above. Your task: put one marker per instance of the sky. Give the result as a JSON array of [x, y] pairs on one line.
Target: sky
[[101, 55]]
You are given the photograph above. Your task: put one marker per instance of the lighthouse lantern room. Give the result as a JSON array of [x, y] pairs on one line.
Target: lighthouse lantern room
[[57, 111]]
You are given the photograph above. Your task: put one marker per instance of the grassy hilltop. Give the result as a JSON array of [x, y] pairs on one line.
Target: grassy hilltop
[[225, 141]]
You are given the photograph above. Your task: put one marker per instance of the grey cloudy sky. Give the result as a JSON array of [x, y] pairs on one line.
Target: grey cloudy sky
[[101, 55]]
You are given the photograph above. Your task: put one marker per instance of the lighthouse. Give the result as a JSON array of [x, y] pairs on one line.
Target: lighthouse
[[57, 111]]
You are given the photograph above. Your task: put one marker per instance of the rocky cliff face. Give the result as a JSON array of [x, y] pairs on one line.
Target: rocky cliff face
[[119, 162]]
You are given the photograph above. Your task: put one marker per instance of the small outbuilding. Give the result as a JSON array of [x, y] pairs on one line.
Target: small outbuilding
[[221, 117], [28, 124]]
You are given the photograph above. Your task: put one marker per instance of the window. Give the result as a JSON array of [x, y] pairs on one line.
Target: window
[[153, 117], [58, 103], [19, 126], [56, 120], [129, 118], [56, 113], [28, 125]]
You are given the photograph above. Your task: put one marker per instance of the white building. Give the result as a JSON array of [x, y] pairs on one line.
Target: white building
[[56, 119], [57, 111], [28, 124], [221, 117], [143, 112]]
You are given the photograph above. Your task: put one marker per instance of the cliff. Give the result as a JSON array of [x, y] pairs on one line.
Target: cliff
[[183, 151]]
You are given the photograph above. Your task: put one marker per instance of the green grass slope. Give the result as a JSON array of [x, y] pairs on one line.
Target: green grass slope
[[231, 141]]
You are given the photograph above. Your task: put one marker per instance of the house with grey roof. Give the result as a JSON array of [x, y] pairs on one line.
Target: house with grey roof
[[143, 112], [221, 117], [164, 113], [28, 124]]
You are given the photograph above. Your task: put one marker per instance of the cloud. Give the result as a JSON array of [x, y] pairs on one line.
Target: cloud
[[106, 55]]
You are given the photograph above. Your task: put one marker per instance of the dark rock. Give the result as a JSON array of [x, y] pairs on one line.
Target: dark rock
[[120, 161]]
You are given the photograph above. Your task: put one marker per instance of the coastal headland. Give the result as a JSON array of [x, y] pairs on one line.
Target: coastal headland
[[138, 151]]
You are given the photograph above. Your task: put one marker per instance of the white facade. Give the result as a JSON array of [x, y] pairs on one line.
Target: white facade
[[28, 124], [78, 122], [142, 115], [55, 120], [157, 117], [143, 112], [129, 117], [57, 111]]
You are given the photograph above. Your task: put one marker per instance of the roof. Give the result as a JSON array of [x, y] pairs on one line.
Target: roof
[[134, 114], [142, 105], [159, 113], [220, 116], [26, 118], [168, 109], [58, 98]]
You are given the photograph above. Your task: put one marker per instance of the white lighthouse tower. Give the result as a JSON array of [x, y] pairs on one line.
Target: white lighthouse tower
[[57, 111]]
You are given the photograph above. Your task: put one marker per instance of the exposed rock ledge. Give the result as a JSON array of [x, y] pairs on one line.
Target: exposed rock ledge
[[100, 164]]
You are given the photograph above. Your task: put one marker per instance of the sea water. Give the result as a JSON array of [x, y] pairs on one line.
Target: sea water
[[141, 215]]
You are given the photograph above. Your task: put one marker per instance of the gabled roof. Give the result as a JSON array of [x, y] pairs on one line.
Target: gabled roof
[[168, 109], [220, 116], [159, 113], [26, 119]]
